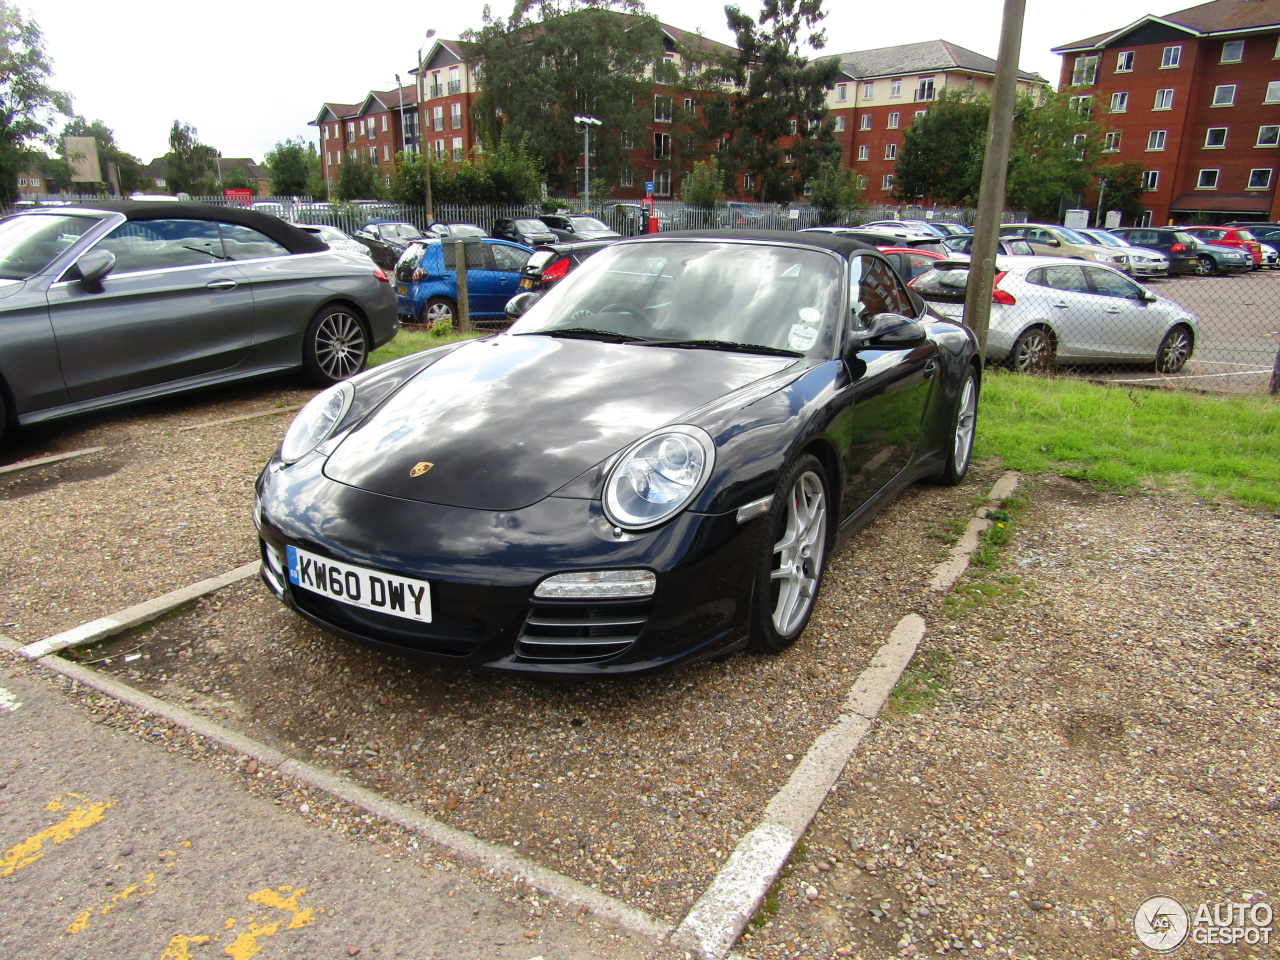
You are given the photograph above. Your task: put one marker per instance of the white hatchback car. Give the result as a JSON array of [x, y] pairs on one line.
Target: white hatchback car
[[1045, 309]]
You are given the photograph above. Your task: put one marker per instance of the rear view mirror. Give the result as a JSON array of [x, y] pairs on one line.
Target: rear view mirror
[[519, 305]]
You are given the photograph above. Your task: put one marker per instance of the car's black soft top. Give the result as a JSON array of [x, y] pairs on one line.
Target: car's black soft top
[[844, 246], [285, 234]]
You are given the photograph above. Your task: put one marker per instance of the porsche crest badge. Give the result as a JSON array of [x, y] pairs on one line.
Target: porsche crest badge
[[420, 468]]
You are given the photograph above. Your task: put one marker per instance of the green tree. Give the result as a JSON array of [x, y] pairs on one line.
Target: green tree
[[359, 179], [780, 104], [1055, 149], [834, 194], [704, 187], [942, 152], [236, 179], [408, 183], [294, 165], [552, 60], [128, 167], [516, 173], [1123, 190], [27, 102], [188, 166]]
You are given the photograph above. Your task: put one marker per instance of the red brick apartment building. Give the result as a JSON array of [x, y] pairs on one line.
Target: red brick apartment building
[[376, 129], [1193, 96]]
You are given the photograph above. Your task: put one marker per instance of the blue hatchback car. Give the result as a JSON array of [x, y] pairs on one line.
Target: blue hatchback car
[[427, 284]]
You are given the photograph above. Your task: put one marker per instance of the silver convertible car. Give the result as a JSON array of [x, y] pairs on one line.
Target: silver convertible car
[[118, 302]]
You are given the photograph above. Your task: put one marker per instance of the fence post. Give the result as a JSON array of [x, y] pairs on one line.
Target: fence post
[[1275, 375], [464, 295]]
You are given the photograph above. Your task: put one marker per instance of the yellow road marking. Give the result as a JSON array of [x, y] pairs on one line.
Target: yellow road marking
[[246, 944], [177, 949], [82, 921], [85, 815]]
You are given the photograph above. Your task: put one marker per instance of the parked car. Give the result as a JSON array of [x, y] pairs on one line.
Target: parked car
[[960, 246], [651, 467], [548, 265], [527, 231], [1186, 254], [572, 228], [456, 230], [906, 228], [1270, 256], [1046, 310], [1262, 232], [1142, 262], [1236, 237], [427, 281], [909, 261], [1051, 240], [115, 302], [877, 238], [334, 238], [951, 229], [387, 240]]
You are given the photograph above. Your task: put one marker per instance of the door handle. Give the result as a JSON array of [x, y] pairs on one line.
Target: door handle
[[1113, 309], [930, 369], [1062, 304], [220, 285]]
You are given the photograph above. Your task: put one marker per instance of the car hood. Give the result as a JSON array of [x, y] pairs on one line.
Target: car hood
[[507, 421]]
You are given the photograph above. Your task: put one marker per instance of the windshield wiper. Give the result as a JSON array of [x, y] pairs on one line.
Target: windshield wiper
[[723, 345], [589, 333]]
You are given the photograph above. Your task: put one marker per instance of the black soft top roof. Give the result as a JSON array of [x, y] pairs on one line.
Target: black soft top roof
[[844, 246], [285, 234]]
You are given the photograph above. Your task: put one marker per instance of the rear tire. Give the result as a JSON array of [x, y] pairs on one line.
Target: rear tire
[[1034, 351], [336, 347], [1205, 266], [964, 424], [4, 416], [439, 308], [1175, 349], [793, 556]]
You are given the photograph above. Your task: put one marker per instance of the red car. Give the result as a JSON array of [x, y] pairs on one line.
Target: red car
[[1237, 237], [910, 262]]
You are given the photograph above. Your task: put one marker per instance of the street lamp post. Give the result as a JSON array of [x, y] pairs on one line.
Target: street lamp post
[[404, 134], [586, 123], [422, 140]]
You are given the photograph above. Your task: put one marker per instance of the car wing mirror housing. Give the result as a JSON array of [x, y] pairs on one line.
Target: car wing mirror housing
[[93, 266], [889, 331], [519, 305]]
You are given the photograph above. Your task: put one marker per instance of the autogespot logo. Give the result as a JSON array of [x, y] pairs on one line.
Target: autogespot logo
[[1161, 923]]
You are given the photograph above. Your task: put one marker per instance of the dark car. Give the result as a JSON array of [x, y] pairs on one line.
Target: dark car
[[386, 240], [527, 231], [883, 239], [110, 303], [572, 228], [1186, 253], [427, 279], [552, 263], [651, 467]]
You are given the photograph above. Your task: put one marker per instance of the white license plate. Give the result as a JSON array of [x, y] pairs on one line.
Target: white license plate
[[367, 589]]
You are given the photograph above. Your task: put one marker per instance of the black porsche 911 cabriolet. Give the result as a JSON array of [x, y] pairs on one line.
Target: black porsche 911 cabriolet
[[650, 467]]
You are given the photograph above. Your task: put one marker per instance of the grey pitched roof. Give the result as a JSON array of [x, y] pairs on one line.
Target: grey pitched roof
[[1217, 16], [920, 57]]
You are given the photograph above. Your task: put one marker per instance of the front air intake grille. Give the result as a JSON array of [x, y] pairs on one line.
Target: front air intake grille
[[559, 631]]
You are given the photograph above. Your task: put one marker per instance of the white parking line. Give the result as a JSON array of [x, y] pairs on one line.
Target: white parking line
[[42, 461], [249, 416]]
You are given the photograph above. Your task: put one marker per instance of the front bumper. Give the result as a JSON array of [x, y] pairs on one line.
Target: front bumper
[[483, 567]]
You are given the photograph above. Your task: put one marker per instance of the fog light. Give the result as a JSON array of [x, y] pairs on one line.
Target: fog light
[[598, 583]]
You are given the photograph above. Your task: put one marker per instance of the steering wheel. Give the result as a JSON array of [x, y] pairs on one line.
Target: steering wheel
[[625, 310]]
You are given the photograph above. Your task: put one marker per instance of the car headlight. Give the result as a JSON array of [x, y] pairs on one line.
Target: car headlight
[[657, 476], [316, 421]]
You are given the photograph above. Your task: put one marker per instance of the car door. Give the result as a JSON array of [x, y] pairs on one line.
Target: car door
[[504, 282], [174, 307], [1131, 326], [890, 386], [1068, 304]]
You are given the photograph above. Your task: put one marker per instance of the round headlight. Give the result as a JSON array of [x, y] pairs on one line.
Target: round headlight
[[657, 476], [316, 421]]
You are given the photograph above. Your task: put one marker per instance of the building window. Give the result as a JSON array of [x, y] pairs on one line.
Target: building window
[[789, 157], [1083, 106], [886, 182], [1085, 71], [869, 90], [662, 183], [1150, 179], [1269, 135], [457, 148], [1111, 143], [842, 92], [866, 122], [1119, 102], [628, 178], [891, 151], [1124, 61], [1273, 92], [629, 144], [925, 90], [384, 123], [662, 109], [1224, 95], [893, 121], [920, 113], [840, 124], [1164, 99], [1232, 51], [1156, 139], [862, 181], [437, 118], [1208, 180], [455, 80], [688, 105], [661, 146], [895, 88], [794, 126], [864, 151], [748, 181], [386, 152], [1215, 138], [1260, 178], [455, 118], [1171, 58], [439, 149], [351, 129]]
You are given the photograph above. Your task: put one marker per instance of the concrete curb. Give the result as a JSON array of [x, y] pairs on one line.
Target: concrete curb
[[950, 570], [44, 461], [293, 408]]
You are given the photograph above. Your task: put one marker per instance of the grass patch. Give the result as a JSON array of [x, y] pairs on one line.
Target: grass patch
[[921, 683], [412, 341], [1214, 446], [970, 594]]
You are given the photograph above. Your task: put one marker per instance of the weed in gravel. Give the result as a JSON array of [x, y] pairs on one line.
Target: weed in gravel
[[971, 594], [921, 683]]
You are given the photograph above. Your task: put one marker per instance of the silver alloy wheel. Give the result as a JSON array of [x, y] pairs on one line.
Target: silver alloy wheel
[[966, 420], [1175, 350], [341, 346], [1204, 265], [799, 555], [1033, 352], [437, 311]]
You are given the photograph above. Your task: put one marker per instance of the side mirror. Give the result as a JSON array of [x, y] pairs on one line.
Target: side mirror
[[1149, 297], [95, 265], [1052, 242], [889, 331], [519, 305]]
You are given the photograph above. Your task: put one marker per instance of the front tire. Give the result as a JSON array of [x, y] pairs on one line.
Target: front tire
[[793, 557], [437, 309], [964, 425], [1175, 350], [1034, 351], [1204, 266], [336, 347]]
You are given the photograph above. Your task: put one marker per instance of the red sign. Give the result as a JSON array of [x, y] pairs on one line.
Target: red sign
[[241, 197]]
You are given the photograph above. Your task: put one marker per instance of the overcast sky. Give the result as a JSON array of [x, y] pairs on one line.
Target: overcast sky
[[249, 74]]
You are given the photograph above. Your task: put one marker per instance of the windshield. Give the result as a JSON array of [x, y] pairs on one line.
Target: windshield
[[762, 298], [1245, 235], [31, 242], [531, 226], [588, 223], [1107, 239]]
